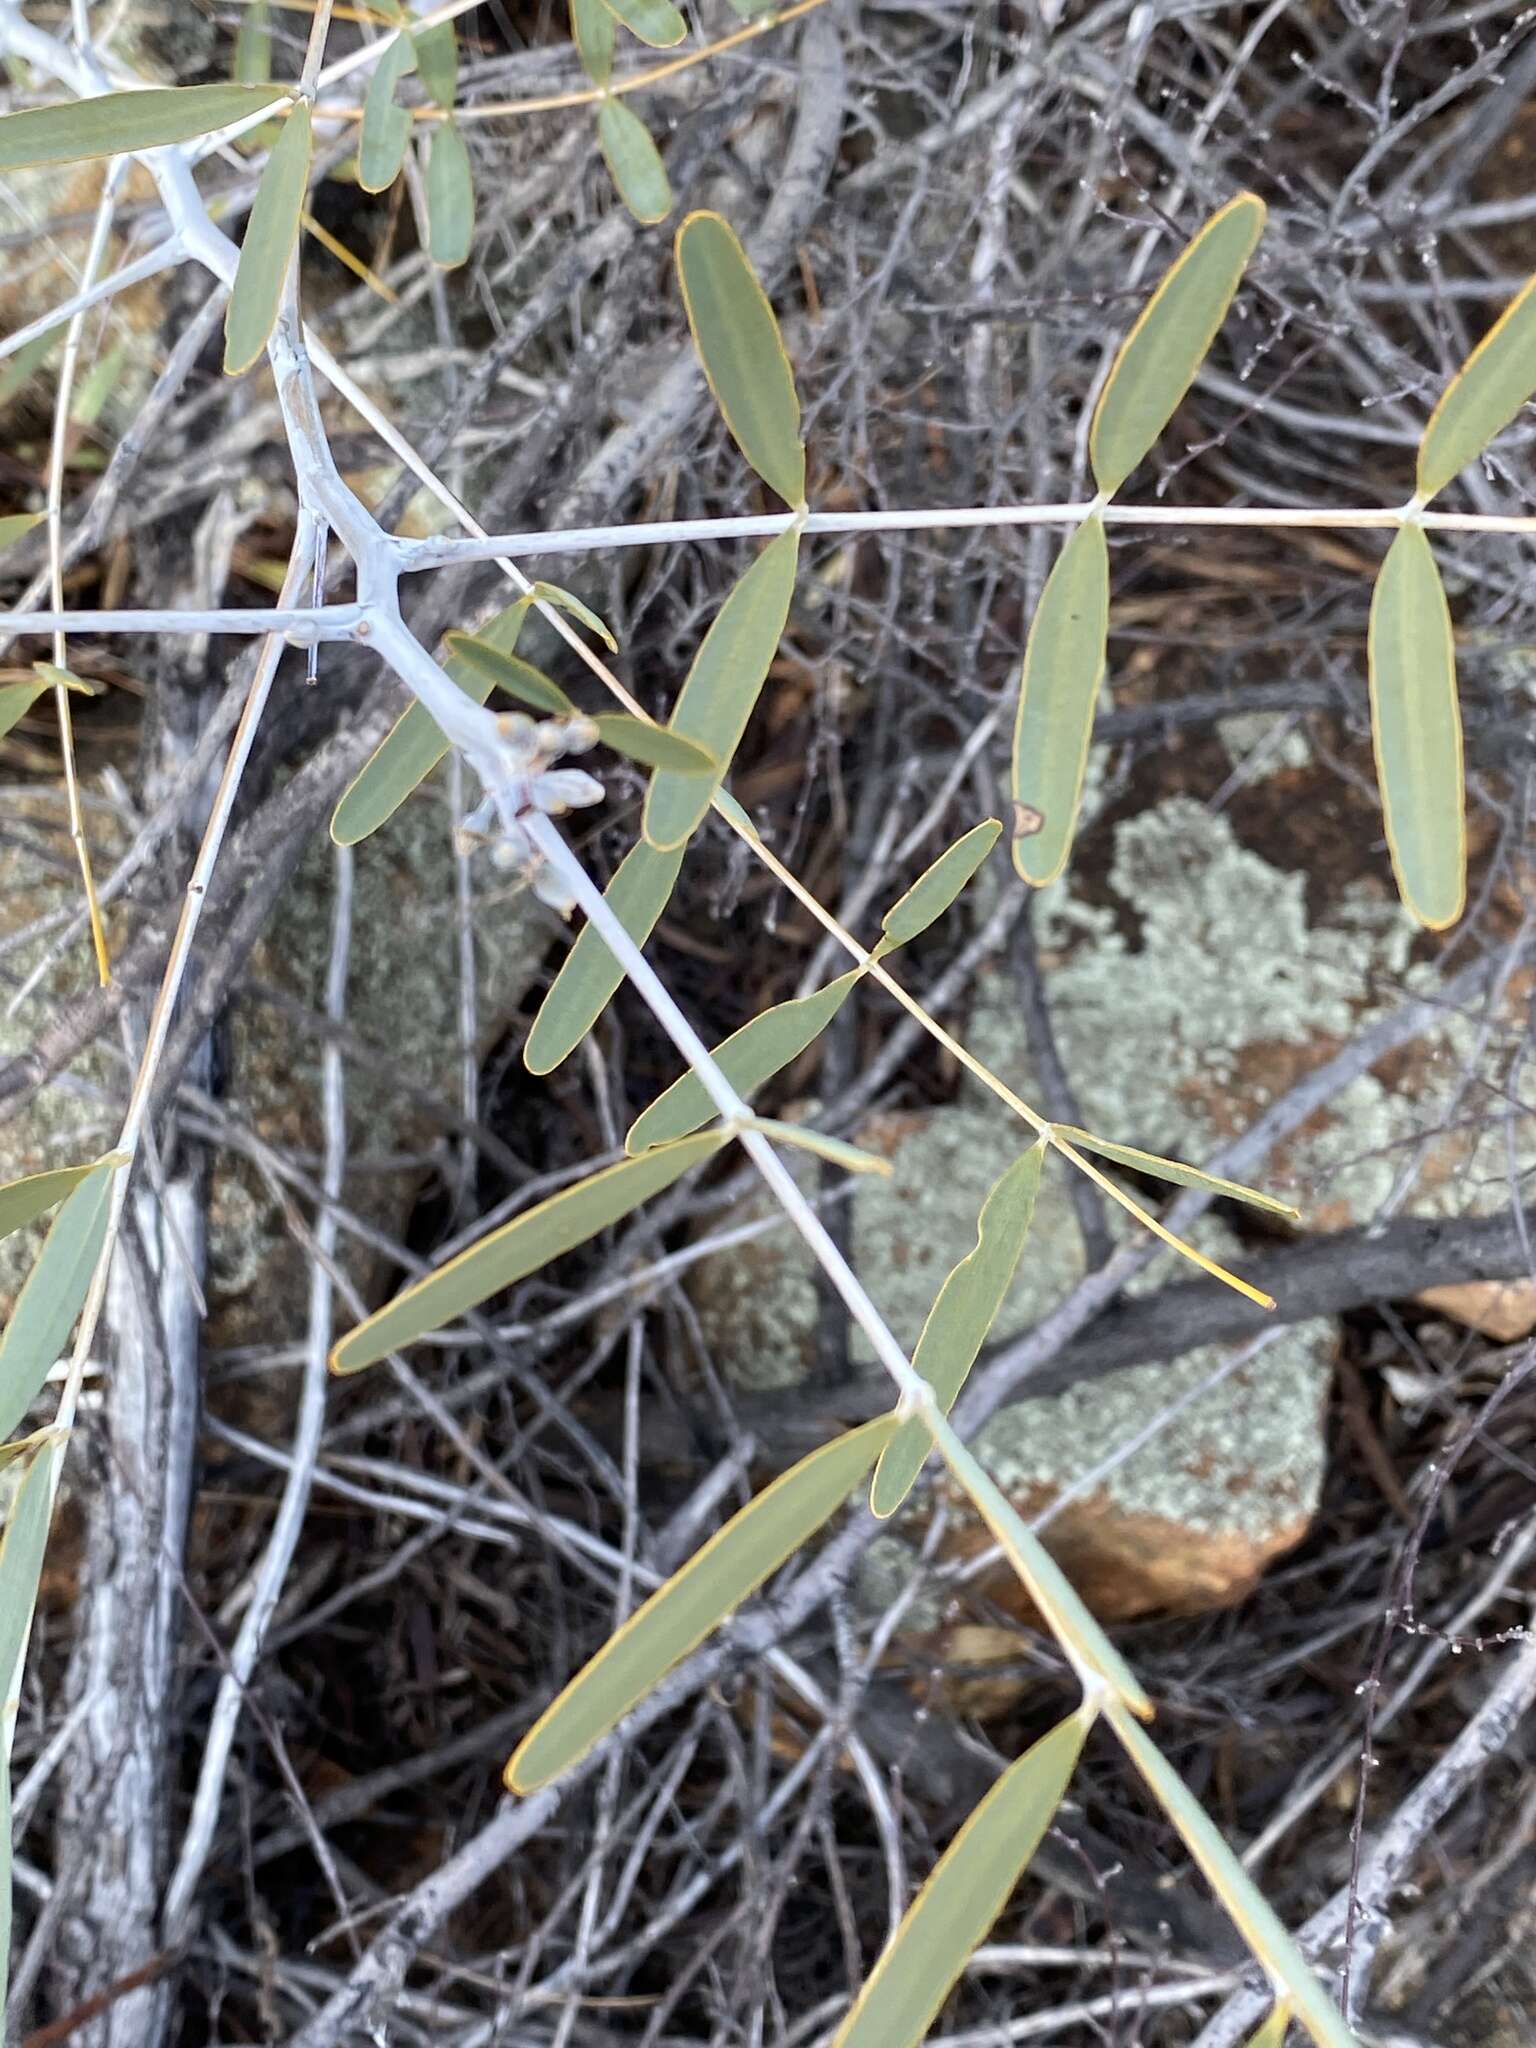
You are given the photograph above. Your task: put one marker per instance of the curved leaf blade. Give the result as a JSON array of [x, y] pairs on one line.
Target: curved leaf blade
[[1273, 2031], [966, 1890], [551, 593], [655, 745], [589, 974], [656, 22], [23, 1201], [634, 163], [749, 1057], [723, 686], [836, 1151], [1490, 388], [54, 1294], [21, 1569], [744, 358], [593, 29], [1162, 354], [679, 1615], [17, 699], [1063, 667], [119, 121], [1176, 1171], [519, 678], [964, 1310], [1251, 1913], [450, 198], [937, 887], [271, 236], [386, 125], [437, 61], [518, 1248], [1416, 731]]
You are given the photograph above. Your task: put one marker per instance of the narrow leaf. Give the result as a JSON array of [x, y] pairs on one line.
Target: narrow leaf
[[253, 44], [1416, 730], [656, 22], [1088, 1649], [519, 1248], [592, 31], [450, 198], [634, 162], [728, 673], [21, 1569], [65, 678], [15, 524], [1490, 388], [1063, 667], [16, 700], [969, 1886], [23, 1201], [963, 1311], [589, 974], [1174, 1170], [510, 673], [748, 1058], [744, 359], [271, 236], [386, 125], [1251, 1913], [655, 745], [437, 60], [53, 1296], [1164, 350], [852, 1158], [679, 1615], [936, 887], [551, 593], [120, 121], [18, 370]]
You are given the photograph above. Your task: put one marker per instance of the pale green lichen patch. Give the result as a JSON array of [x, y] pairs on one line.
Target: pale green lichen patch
[[1204, 989]]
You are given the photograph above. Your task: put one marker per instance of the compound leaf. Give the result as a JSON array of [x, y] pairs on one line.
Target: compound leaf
[[963, 1311], [54, 1294], [1416, 730], [743, 355], [271, 236], [679, 1615], [748, 1058], [1174, 1170], [936, 887], [1496, 380], [1164, 350], [450, 198], [589, 974], [967, 1889], [717, 699], [519, 1248], [119, 121], [1063, 667], [634, 162]]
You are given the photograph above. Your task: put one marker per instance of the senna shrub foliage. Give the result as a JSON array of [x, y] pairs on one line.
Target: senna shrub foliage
[[515, 752]]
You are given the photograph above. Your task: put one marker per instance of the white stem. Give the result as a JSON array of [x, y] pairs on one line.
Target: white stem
[[303, 622], [442, 550]]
